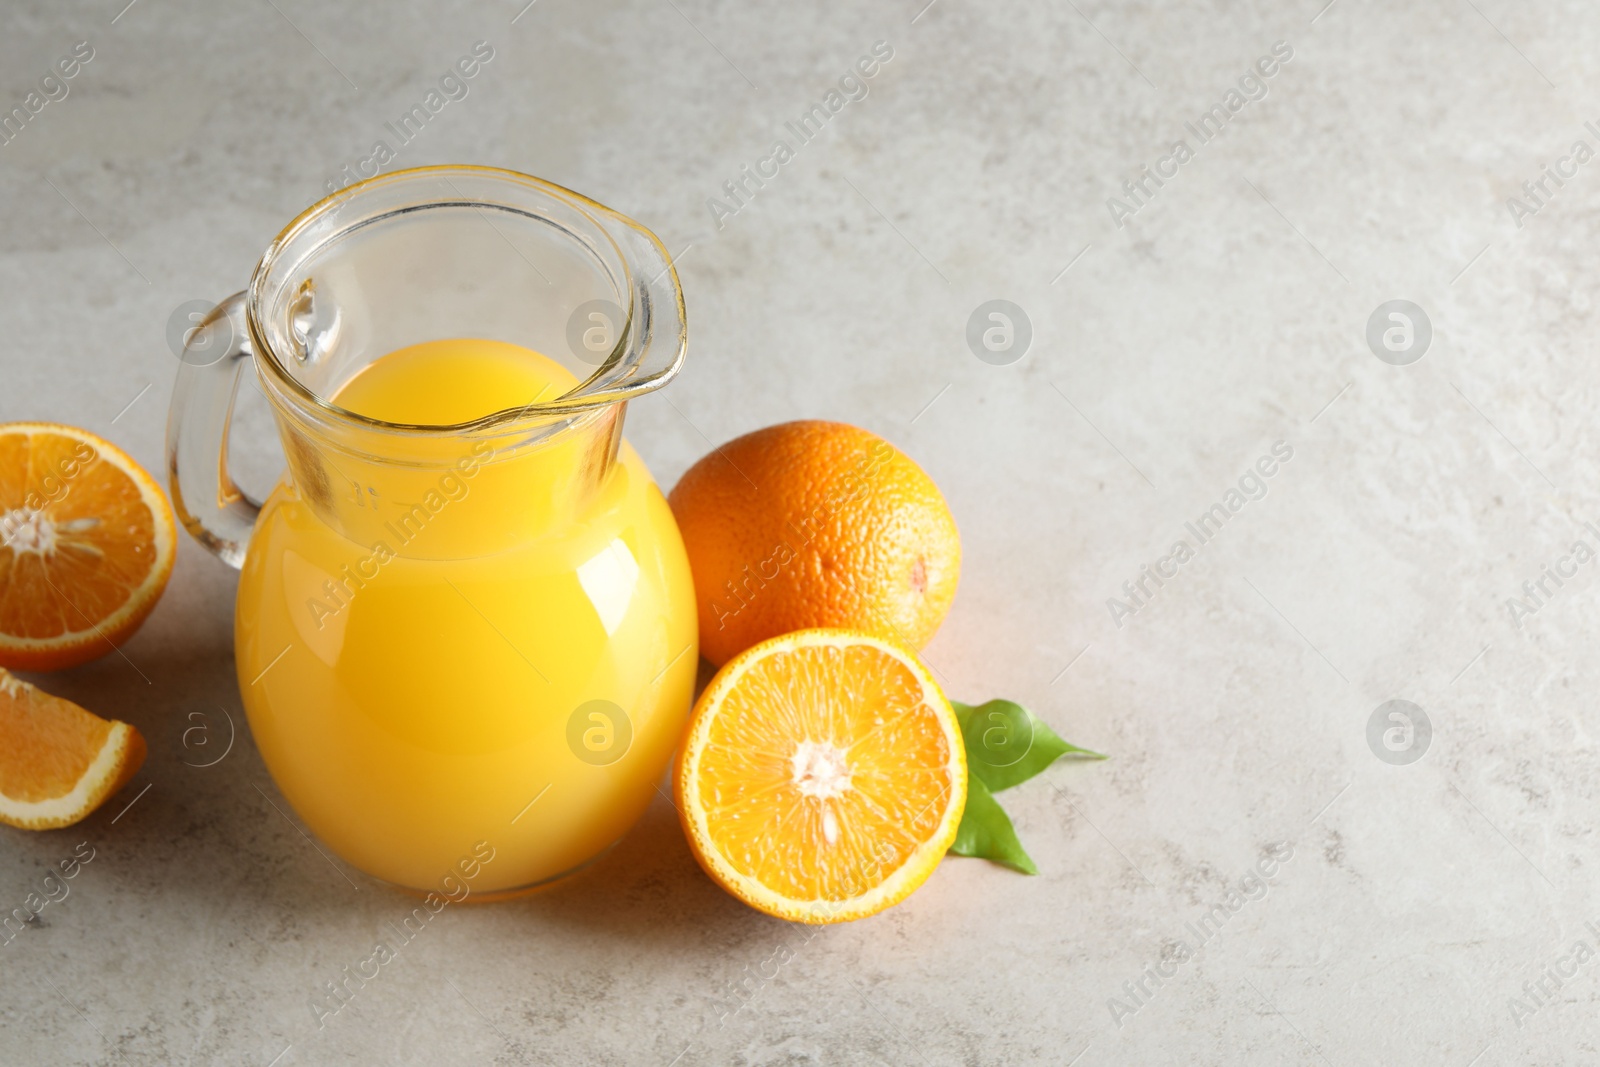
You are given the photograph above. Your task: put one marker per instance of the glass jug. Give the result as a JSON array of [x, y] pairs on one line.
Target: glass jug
[[466, 652]]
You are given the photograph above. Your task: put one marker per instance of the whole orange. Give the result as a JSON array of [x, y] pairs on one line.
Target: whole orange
[[815, 524]]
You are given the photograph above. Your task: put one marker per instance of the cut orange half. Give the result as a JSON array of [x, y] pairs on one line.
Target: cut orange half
[[58, 762], [823, 776], [86, 546]]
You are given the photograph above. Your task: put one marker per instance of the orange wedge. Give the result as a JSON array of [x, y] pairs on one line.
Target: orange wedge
[[86, 546], [58, 762], [823, 776]]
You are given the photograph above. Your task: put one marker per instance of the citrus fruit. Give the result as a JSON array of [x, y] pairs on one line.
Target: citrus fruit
[[58, 762], [86, 546], [823, 776], [815, 524]]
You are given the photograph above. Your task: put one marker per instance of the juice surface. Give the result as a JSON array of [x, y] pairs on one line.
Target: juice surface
[[411, 706], [440, 383]]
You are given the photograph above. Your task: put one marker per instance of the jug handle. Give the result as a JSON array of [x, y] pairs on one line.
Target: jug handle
[[208, 502]]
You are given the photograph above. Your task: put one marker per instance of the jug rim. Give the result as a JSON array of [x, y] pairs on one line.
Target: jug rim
[[613, 382]]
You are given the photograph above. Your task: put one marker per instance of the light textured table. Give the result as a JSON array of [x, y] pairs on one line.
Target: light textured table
[[1228, 313]]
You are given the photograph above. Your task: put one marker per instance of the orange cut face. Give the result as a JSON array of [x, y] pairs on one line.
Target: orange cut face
[[823, 777], [87, 543], [58, 762]]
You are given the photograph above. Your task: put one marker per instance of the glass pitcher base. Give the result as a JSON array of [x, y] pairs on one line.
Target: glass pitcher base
[[495, 896]]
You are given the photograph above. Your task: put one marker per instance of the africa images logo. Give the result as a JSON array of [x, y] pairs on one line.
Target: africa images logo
[[1207, 128], [853, 87], [1252, 486]]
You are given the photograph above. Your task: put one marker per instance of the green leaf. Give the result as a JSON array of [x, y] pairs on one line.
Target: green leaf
[[1007, 744], [986, 831]]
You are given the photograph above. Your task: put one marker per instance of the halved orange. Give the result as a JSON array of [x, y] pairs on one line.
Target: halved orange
[[58, 762], [87, 542], [823, 776]]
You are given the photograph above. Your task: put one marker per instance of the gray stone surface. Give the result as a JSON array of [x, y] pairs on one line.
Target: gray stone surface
[[1230, 313]]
